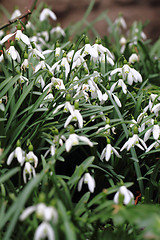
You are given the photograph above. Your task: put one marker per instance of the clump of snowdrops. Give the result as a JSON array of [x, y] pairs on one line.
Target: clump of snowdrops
[[79, 130]]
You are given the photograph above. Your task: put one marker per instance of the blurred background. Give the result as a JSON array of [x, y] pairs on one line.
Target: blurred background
[[70, 11]]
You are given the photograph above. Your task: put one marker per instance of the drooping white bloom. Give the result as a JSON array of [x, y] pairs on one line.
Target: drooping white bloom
[[43, 36], [13, 53], [58, 30], [104, 58], [67, 107], [132, 141], [129, 74], [80, 62], [74, 140], [44, 231], [94, 89], [18, 36], [75, 116], [126, 194], [133, 58], [105, 97], [17, 153], [28, 170], [42, 65], [87, 49], [108, 151], [25, 64], [58, 140], [89, 180], [102, 50], [120, 22], [119, 83], [155, 129], [122, 42], [49, 97], [57, 83], [46, 12], [155, 145], [45, 213], [35, 53], [107, 129], [15, 14], [32, 158], [156, 109], [29, 25], [64, 63]]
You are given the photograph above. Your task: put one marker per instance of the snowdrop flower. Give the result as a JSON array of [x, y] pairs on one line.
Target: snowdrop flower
[[132, 141], [44, 231], [17, 153], [64, 63], [42, 65], [45, 35], [119, 83], [31, 157], [155, 129], [67, 107], [82, 90], [105, 97], [75, 116], [13, 52], [128, 73], [15, 14], [29, 25], [58, 30], [108, 151], [43, 212], [58, 51], [28, 170], [87, 49], [46, 12], [102, 50], [94, 89], [80, 62], [40, 81], [18, 36], [34, 52], [122, 42], [70, 55], [58, 140], [89, 180], [104, 58], [74, 140], [125, 194], [133, 58], [120, 22], [25, 63], [49, 97], [107, 128], [57, 83], [156, 145], [156, 109]]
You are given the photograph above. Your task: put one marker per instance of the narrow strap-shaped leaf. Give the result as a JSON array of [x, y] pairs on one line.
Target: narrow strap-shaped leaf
[[18, 104]]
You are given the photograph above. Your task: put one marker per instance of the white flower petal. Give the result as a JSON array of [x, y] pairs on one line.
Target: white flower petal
[[27, 212], [156, 131], [6, 38]]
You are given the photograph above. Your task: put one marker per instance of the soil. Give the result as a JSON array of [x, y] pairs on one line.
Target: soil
[[70, 11]]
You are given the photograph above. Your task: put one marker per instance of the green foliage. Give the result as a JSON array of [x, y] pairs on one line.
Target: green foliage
[[79, 124]]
